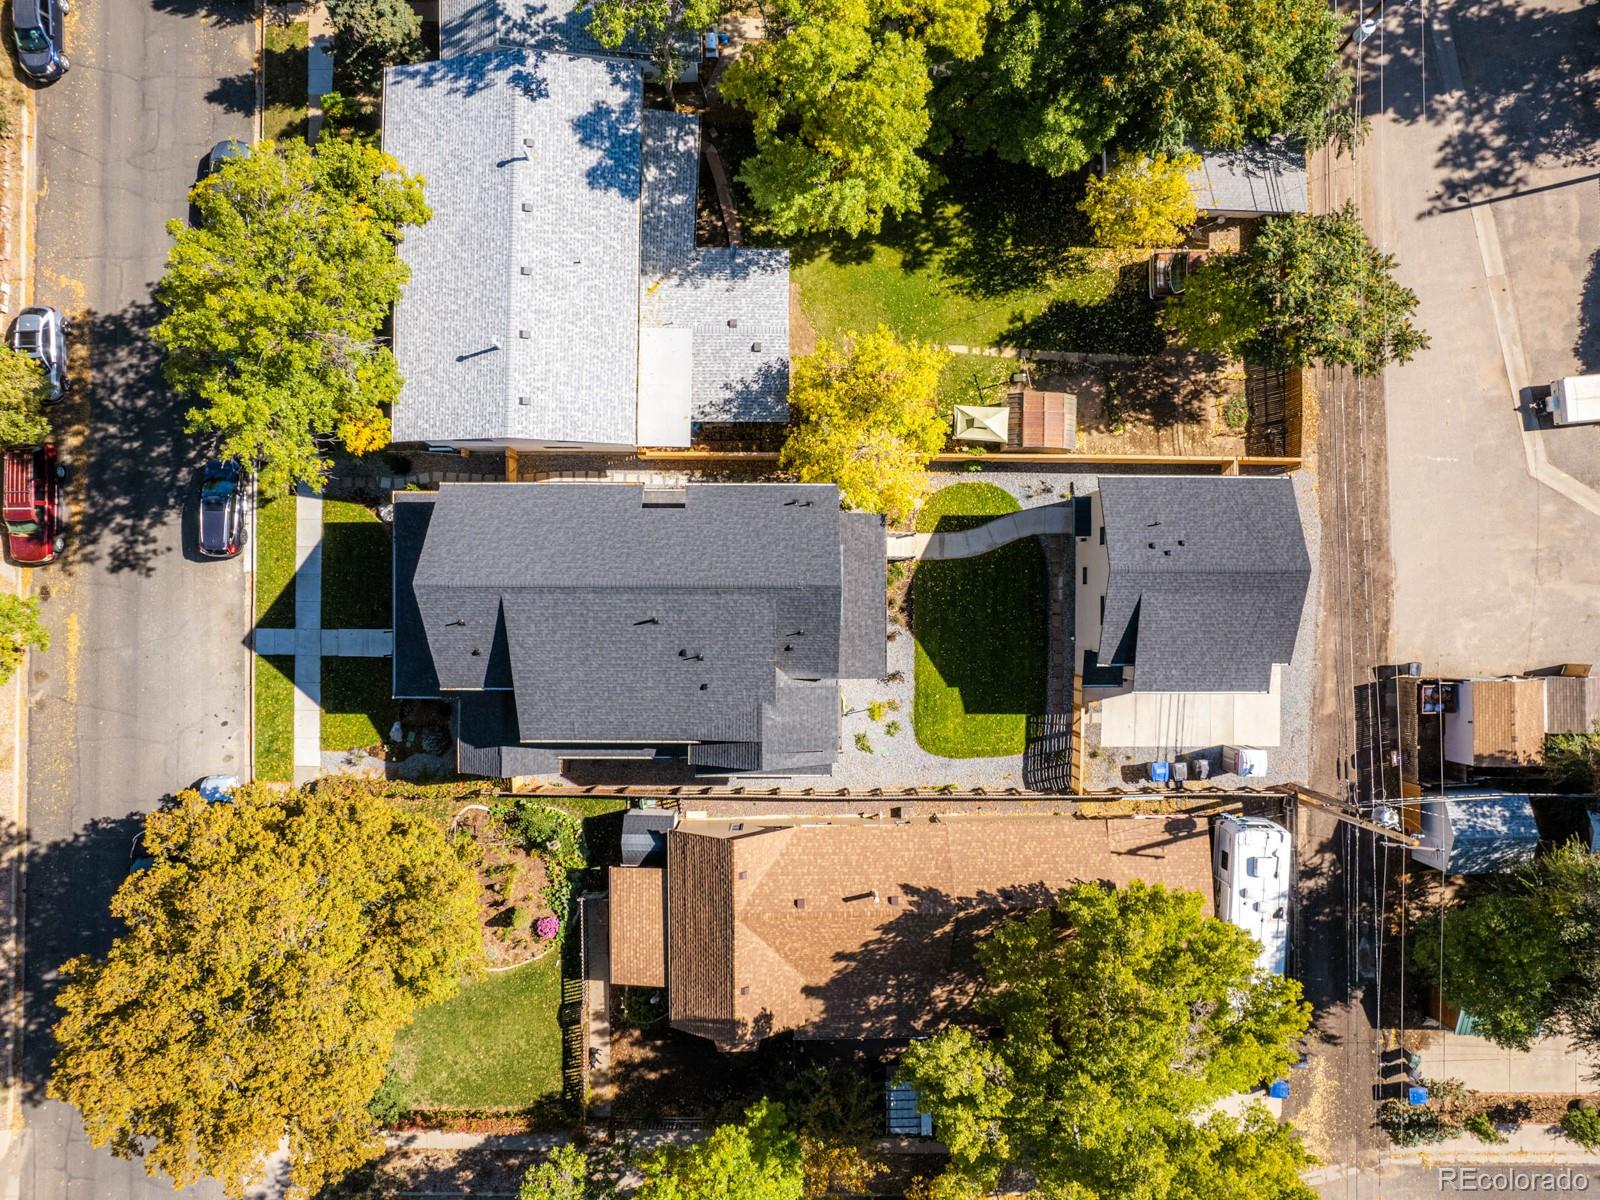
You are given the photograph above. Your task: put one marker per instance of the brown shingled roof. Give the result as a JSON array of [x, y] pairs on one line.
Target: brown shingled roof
[[1507, 722], [638, 926], [865, 929]]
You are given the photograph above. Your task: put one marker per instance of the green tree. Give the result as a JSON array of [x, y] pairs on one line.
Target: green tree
[[275, 299], [269, 957], [838, 1116], [1118, 1016], [1253, 1155], [562, 1176], [757, 1160], [370, 35], [1573, 760], [20, 630], [838, 94], [670, 28], [24, 391], [1059, 80], [1142, 201], [1310, 289], [1499, 958], [866, 417]]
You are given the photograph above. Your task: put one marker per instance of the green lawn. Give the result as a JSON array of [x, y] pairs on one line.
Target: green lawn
[[356, 552], [982, 632], [275, 564], [356, 707], [997, 257], [497, 1044], [275, 719], [284, 65], [975, 379]]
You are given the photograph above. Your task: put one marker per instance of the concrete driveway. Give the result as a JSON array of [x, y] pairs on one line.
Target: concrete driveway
[[144, 688], [1482, 176]]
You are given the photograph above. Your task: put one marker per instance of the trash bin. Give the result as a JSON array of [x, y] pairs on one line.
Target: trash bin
[[1160, 772], [1278, 1089], [1416, 1096]]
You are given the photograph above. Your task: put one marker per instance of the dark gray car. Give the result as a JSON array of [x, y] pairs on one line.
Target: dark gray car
[[223, 153], [40, 30]]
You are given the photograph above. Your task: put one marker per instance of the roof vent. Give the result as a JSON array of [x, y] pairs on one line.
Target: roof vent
[[800, 902], [744, 874], [736, 826], [528, 142], [527, 206], [704, 686], [664, 497], [527, 270], [649, 621], [733, 322], [524, 334], [744, 989], [894, 901], [755, 347], [525, 401]]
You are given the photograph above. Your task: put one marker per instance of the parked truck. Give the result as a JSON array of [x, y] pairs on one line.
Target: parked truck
[[1574, 400]]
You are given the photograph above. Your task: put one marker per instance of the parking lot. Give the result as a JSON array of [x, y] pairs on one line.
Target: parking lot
[[1482, 176]]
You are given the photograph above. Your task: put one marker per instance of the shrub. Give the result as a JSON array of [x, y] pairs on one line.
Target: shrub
[[547, 927], [1411, 1126], [876, 710], [1236, 411], [1582, 1125], [863, 744], [388, 1105], [521, 917], [434, 740], [1446, 1091], [1480, 1126], [892, 729]]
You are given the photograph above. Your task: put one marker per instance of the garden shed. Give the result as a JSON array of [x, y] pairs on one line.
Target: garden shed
[[1475, 833]]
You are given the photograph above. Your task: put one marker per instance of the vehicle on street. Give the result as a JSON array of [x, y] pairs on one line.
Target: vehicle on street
[[39, 27], [222, 531], [35, 517], [1251, 859], [223, 153], [1574, 400], [215, 789], [40, 332]]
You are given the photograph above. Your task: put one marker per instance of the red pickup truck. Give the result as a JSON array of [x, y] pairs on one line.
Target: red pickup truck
[[34, 515]]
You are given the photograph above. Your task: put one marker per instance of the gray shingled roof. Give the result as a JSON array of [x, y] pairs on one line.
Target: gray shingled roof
[[530, 263], [1210, 573], [720, 619], [1268, 178], [741, 370], [667, 198]]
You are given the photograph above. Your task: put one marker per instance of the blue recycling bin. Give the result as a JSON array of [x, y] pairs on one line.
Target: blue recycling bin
[[1417, 1096], [1278, 1089], [1160, 772]]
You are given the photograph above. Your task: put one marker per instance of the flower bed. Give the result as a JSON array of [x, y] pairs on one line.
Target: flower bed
[[528, 856]]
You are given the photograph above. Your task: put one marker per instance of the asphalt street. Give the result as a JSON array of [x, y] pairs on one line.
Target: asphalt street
[[1484, 171], [144, 689]]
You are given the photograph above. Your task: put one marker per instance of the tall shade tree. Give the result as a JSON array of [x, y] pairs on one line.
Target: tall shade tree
[[370, 35], [865, 416], [562, 1176], [838, 94], [275, 299], [271, 953], [1310, 289], [24, 390], [759, 1159], [1117, 1018], [21, 630], [1525, 957], [1143, 201], [670, 29], [1059, 80]]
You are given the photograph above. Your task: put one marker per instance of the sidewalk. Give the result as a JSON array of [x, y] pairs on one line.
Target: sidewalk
[[1042, 520]]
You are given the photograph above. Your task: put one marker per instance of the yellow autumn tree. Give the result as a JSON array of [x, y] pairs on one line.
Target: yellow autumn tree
[[1141, 202], [271, 951], [866, 417]]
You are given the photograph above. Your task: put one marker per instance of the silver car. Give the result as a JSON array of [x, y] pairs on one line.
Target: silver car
[[41, 333]]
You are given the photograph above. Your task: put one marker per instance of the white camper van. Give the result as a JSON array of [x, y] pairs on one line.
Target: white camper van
[[1574, 400], [1251, 861]]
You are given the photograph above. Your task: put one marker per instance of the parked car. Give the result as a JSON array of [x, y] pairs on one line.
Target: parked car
[[222, 532], [39, 27], [224, 152], [35, 517], [216, 789], [40, 332]]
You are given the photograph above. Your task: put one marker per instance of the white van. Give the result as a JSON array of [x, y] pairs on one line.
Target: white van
[[1574, 400], [1252, 861]]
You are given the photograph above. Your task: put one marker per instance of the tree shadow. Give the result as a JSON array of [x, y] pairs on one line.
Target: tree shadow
[[1528, 95], [237, 93], [216, 12], [1123, 322], [1587, 347], [137, 464]]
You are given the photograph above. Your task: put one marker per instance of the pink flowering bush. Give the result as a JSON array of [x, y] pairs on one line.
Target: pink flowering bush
[[547, 927]]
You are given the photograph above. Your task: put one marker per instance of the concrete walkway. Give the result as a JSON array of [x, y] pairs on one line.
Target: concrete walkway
[[319, 67], [308, 641], [1551, 1064], [1044, 520]]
